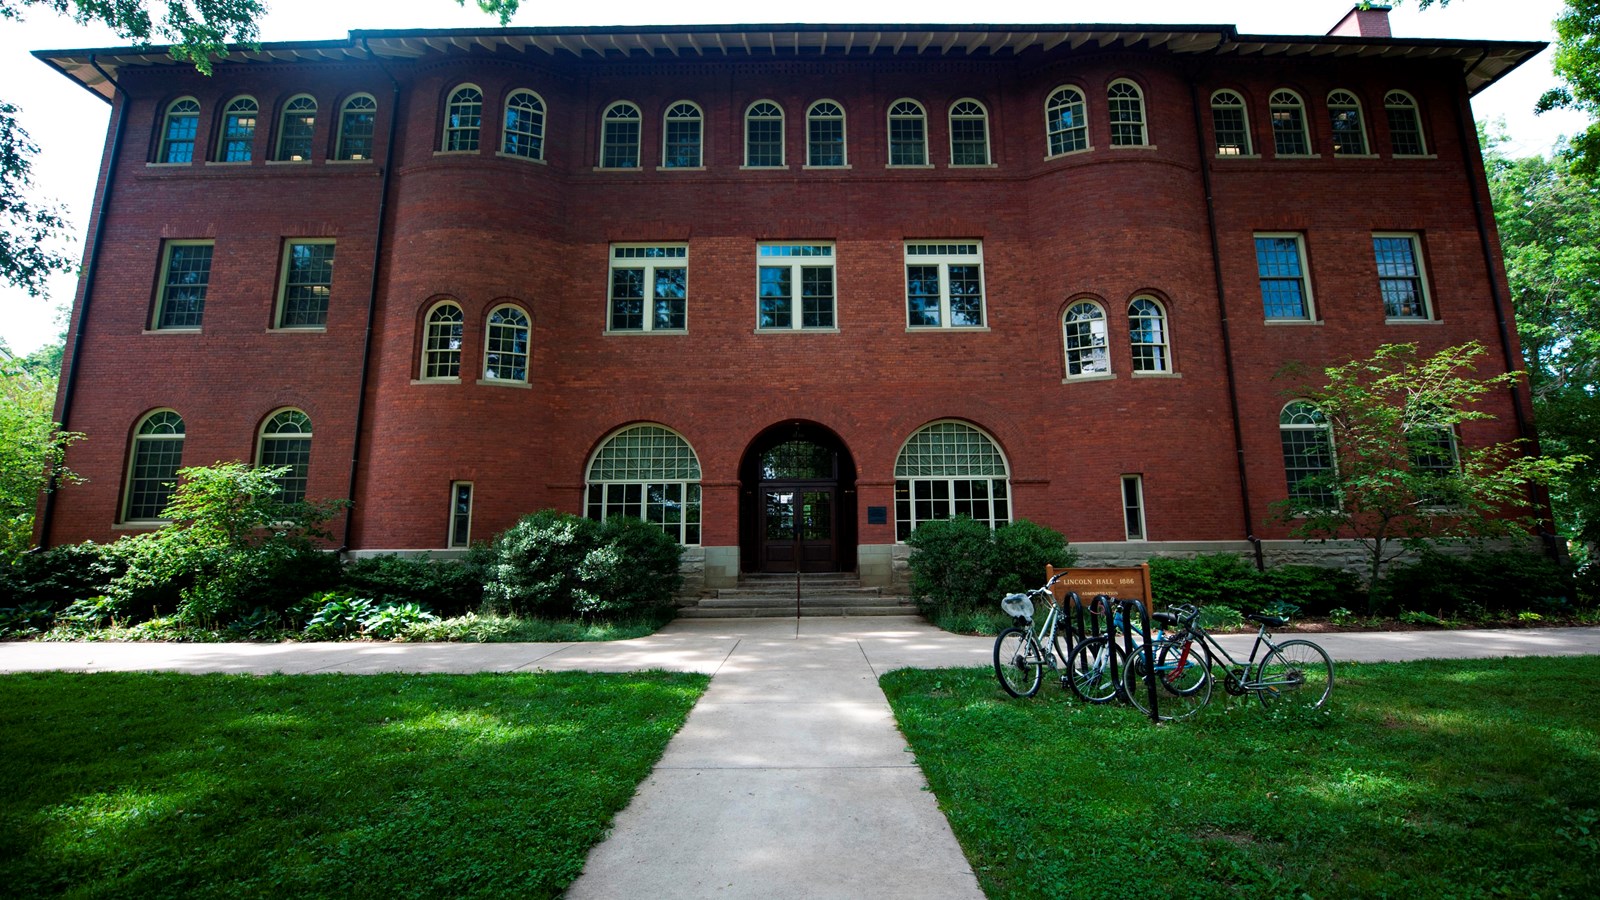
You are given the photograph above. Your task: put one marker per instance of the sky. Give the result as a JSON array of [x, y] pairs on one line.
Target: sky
[[69, 124]]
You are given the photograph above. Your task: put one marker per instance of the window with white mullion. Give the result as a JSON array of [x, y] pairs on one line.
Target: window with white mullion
[[825, 141], [1400, 277], [1084, 333], [944, 285], [649, 473], [649, 288], [238, 130], [1133, 507], [1066, 121], [460, 514], [1147, 333], [950, 469], [908, 134], [1230, 124], [681, 137], [795, 287]]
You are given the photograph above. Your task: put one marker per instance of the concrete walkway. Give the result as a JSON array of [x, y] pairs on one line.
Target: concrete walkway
[[789, 778]]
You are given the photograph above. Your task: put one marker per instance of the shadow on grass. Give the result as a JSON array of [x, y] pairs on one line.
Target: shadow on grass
[[1436, 778], [366, 786]]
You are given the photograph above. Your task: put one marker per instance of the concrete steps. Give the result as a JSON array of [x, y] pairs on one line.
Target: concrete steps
[[821, 594]]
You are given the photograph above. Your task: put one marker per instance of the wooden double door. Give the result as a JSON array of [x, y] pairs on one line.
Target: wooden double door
[[799, 527]]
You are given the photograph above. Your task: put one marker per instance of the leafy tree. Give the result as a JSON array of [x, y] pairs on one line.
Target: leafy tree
[[1549, 218], [1577, 61], [197, 31], [1399, 480], [31, 445]]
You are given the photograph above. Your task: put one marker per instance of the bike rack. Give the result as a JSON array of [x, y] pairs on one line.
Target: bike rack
[[1125, 606]]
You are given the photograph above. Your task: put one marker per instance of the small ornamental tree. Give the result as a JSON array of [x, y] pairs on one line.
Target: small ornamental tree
[[32, 446], [1395, 476]]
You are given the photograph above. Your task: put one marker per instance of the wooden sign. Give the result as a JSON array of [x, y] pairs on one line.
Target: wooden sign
[[1122, 583]]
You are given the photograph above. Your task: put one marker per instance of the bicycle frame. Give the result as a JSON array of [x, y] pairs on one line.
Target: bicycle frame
[[1263, 639]]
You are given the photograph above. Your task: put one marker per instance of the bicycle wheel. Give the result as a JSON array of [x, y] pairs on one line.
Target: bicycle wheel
[[1187, 692], [1017, 662], [1294, 672], [1089, 671]]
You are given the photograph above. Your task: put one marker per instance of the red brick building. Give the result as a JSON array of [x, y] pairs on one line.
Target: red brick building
[[787, 290]]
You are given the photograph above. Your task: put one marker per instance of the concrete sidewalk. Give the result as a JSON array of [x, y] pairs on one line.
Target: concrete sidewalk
[[789, 778]]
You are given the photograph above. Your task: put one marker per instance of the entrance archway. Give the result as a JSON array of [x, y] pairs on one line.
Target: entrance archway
[[797, 501]]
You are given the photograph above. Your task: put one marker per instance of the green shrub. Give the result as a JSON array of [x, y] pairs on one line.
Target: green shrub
[[1313, 590], [25, 619], [556, 565], [338, 616], [1211, 579], [394, 620], [448, 586], [60, 575], [960, 566], [635, 568], [1488, 583]]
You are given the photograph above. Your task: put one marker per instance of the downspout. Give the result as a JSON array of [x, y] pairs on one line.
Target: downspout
[[69, 380], [372, 293], [1537, 496], [1222, 321]]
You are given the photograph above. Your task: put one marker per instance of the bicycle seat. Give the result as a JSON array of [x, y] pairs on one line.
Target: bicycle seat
[[1165, 618], [1264, 619]]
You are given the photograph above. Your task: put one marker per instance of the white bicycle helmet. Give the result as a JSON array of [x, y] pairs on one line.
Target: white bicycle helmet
[[1018, 606]]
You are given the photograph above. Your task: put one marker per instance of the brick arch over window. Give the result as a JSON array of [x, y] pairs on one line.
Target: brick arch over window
[[154, 456], [947, 469], [649, 472], [285, 440]]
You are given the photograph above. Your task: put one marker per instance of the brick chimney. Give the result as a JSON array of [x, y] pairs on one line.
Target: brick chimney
[[1370, 22]]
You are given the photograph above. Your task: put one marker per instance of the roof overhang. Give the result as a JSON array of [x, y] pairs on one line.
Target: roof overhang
[[1481, 62]]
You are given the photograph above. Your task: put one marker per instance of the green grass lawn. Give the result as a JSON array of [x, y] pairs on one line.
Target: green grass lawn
[[1427, 779], [149, 785]]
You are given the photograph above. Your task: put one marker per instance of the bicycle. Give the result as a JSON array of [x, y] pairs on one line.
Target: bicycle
[[1295, 672], [1020, 655], [1096, 663]]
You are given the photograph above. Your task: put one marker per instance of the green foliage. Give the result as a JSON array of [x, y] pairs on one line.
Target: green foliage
[[1218, 580], [1441, 778], [321, 786], [960, 566], [1385, 414], [1577, 61], [555, 564], [393, 620], [476, 628], [449, 586], [338, 615], [1478, 585], [634, 567], [230, 545], [32, 446], [60, 575]]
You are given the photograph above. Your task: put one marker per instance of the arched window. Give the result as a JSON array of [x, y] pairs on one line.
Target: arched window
[[179, 128], [153, 466], [463, 120], [286, 441], [1289, 125], [1307, 455], [238, 130], [1344, 120], [1084, 329], [825, 134], [296, 127], [908, 134], [357, 122], [1125, 110], [763, 135], [505, 348], [969, 133], [441, 345], [1066, 121], [1405, 125], [681, 137], [619, 137], [950, 469], [1147, 333], [1230, 124], [524, 132], [649, 473]]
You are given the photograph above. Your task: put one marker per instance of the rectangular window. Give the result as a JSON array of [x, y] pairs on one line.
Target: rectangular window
[[460, 514], [185, 276], [920, 500], [1233, 133], [673, 506], [1281, 265], [795, 287], [304, 283], [1133, 506], [1400, 277], [649, 288], [944, 285]]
